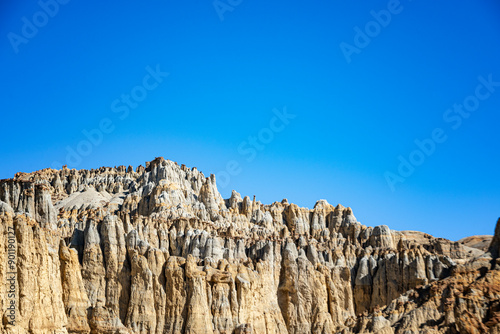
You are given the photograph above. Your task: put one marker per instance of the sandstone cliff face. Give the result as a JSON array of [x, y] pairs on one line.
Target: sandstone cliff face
[[158, 250]]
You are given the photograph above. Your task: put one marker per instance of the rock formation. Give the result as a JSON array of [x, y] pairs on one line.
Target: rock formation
[[481, 242], [158, 250]]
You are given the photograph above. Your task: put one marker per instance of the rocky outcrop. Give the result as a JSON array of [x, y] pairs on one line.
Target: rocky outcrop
[[481, 242], [467, 301], [494, 248], [158, 250]]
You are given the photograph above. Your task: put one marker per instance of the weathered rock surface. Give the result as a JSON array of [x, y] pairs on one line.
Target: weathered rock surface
[[158, 250], [481, 242], [467, 301]]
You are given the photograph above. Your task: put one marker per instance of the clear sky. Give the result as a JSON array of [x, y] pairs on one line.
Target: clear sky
[[389, 107]]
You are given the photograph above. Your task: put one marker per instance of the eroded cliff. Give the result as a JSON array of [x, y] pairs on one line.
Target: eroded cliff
[[158, 250]]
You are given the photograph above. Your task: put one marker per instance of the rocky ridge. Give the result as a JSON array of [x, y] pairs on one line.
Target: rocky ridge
[[158, 250]]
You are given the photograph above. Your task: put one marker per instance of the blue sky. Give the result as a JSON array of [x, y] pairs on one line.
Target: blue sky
[[202, 84]]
